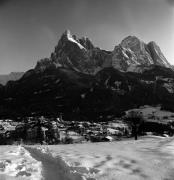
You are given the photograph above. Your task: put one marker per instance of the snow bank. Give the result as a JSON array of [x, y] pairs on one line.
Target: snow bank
[[16, 163], [54, 167]]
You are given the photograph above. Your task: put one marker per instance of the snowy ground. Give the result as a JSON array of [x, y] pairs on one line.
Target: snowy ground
[[159, 115], [17, 164], [150, 158]]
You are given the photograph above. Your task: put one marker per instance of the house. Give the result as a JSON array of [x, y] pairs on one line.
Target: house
[[108, 138], [112, 131]]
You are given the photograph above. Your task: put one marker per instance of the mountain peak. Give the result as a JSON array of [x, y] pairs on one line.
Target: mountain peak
[[157, 55], [81, 55], [67, 33], [133, 51], [153, 42], [130, 39], [67, 36]]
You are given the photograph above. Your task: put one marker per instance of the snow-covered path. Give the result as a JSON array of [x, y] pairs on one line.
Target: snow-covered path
[[150, 158], [53, 168]]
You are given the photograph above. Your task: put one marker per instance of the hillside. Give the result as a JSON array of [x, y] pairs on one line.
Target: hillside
[[13, 76], [86, 83]]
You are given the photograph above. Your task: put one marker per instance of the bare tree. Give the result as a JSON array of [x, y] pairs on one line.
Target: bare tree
[[135, 119]]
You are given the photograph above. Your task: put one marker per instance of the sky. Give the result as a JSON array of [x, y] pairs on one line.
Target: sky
[[30, 29]]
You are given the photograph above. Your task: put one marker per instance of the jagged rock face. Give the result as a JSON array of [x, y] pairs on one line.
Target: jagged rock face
[[139, 48], [130, 54], [123, 58], [134, 55], [85, 42], [43, 64], [80, 55], [157, 55]]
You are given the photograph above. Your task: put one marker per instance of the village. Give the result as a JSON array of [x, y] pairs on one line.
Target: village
[[54, 131], [32, 130]]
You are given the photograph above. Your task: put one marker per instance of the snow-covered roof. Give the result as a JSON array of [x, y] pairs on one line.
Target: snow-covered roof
[[109, 137], [112, 130]]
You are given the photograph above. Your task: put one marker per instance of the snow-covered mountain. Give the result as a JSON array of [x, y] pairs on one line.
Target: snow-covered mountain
[[132, 54], [157, 55], [81, 55], [77, 54]]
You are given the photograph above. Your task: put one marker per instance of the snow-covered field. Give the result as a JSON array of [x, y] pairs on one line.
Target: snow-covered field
[[17, 164], [155, 112], [150, 158], [125, 160]]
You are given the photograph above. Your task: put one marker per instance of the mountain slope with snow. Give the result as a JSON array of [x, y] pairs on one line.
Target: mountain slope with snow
[[79, 54], [134, 55]]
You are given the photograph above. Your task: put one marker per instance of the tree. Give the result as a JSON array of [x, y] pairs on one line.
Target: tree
[[39, 131], [39, 124], [135, 119]]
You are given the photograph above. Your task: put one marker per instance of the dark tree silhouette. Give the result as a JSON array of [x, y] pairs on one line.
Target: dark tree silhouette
[[39, 131], [135, 119], [39, 124]]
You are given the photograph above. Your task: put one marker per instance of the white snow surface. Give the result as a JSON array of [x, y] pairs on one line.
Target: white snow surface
[[70, 38], [17, 164], [150, 158], [159, 114], [130, 160]]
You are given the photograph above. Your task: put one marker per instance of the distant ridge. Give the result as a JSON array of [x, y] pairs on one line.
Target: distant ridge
[[13, 76]]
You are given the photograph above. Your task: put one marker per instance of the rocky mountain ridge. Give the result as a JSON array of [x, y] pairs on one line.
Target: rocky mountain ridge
[[81, 55]]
